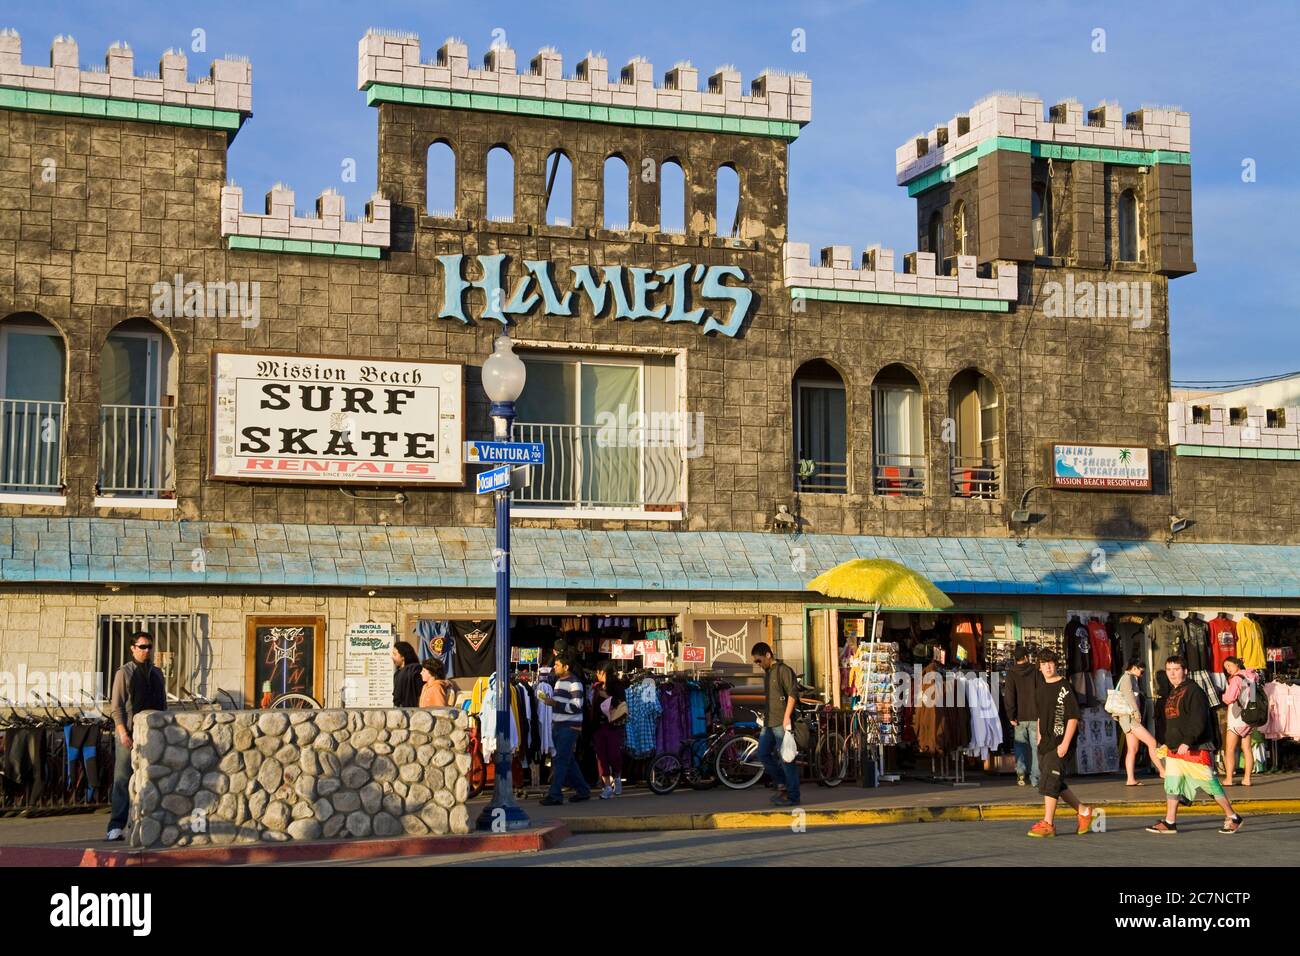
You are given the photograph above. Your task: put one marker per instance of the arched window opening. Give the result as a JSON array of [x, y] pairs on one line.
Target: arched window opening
[[728, 201], [500, 185], [137, 420], [1130, 227], [559, 189], [898, 430], [440, 181], [672, 198], [1041, 213], [33, 362], [821, 430], [934, 239], [976, 448], [618, 211]]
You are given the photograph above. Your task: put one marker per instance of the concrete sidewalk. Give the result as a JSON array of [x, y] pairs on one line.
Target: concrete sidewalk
[[995, 798]]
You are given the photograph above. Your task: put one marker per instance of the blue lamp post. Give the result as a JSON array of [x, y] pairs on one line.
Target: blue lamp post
[[503, 381]]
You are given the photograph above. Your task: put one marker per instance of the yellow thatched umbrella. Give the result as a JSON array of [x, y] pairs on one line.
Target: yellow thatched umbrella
[[882, 584]]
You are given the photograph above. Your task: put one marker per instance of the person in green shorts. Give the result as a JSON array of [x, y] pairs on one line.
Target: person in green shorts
[[1189, 760]]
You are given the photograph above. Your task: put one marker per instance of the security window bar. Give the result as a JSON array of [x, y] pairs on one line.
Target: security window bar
[[178, 641]]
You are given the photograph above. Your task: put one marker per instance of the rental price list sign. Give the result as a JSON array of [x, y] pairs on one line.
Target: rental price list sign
[[320, 419], [367, 666]]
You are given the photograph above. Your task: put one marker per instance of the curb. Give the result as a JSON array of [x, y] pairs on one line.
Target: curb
[[780, 819], [529, 841]]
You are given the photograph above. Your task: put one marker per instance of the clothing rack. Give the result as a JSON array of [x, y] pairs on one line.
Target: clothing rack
[[954, 776]]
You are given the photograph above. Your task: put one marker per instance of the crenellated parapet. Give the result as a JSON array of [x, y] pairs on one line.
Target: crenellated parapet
[[1198, 428], [329, 232], [834, 277], [776, 103], [1146, 133], [224, 98]]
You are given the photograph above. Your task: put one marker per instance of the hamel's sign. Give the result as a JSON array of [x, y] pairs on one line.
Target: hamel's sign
[[631, 292], [308, 418]]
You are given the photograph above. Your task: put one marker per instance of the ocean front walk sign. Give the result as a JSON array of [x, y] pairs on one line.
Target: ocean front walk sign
[[1101, 467], [631, 292], [315, 418]]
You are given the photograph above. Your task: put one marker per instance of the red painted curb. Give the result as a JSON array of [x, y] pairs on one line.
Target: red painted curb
[[527, 841]]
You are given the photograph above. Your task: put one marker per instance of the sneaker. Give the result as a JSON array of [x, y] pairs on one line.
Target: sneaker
[[549, 801], [607, 792], [578, 798], [115, 835], [618, 786], [1085, 819], [784, 801], [1020, 780], [1231, 825], [1042, 829], [1163, 827]]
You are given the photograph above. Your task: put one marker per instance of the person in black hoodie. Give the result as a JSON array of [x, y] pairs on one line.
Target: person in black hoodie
[[1019, 702], [1189, 763], [407, 680]]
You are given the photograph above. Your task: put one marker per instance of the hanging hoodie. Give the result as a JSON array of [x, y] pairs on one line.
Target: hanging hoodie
[[1250, 643]]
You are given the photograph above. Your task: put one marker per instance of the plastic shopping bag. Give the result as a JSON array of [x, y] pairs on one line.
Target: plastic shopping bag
[[789, 747]]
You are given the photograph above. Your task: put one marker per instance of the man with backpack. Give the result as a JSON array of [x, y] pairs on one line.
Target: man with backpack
[[1189, 761], [780, 693], [1247, 710]]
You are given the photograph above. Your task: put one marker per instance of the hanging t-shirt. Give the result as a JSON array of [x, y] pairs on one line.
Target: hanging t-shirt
[[1223, 641], [1078, 647], [1250, 644], [1099, 645], [1197, 648], [475, 650], [436, 643], [1057, 706]]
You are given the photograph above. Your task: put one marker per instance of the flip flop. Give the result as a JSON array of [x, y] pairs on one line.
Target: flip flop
[[1138, 784]]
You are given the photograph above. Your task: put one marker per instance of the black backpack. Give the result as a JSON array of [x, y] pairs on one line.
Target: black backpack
[[1255, 713]]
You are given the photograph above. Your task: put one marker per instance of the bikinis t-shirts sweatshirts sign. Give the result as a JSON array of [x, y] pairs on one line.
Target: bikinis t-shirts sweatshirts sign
[[474, 648]]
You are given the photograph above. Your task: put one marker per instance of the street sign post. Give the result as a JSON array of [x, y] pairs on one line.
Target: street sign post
[[505, 453]]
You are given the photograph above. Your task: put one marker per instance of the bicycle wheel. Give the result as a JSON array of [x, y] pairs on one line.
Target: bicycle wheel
[[831, 761], [702, 775], [294, 702], [737, 764], [665, 773]]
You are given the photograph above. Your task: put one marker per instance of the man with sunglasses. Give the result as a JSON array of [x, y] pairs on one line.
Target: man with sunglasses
[[138, 686]]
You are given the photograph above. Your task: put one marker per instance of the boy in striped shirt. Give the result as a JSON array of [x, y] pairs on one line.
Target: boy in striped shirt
[[566, 724]]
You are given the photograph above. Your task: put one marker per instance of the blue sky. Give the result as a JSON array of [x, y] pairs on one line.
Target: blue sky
[[881, 72]]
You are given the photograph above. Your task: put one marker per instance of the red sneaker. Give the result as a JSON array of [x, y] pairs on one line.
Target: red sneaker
[[1085, 819], [1042, 829]]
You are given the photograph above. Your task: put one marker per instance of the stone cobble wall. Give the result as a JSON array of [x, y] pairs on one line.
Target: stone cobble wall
[[223, 777]]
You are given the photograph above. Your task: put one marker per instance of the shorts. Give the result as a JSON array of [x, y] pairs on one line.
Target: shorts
[[1051, 774], [1188, 774]]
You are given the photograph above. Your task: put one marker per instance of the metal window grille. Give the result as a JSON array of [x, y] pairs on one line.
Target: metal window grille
[[178, 644]]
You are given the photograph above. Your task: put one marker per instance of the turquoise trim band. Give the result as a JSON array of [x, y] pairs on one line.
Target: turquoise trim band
[[901, 298], [304, 247], [591, 112], [40, 101], [1225, 451], [1098, 154]]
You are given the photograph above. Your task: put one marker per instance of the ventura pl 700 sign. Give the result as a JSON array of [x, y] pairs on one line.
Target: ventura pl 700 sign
[[668, 295]]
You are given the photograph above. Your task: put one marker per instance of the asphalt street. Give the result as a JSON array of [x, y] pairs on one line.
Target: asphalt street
[[1263, 841]]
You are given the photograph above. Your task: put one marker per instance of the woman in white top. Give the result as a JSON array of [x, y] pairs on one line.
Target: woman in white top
[[1135, 731]]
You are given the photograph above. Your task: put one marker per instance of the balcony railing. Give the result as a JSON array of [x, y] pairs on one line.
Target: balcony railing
[[830, 477], [900, 475], [976, 478], [135, 451], [591, 466], [31, 446]]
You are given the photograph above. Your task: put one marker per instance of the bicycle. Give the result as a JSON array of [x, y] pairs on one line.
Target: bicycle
[[829, 761], [696, 762]]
